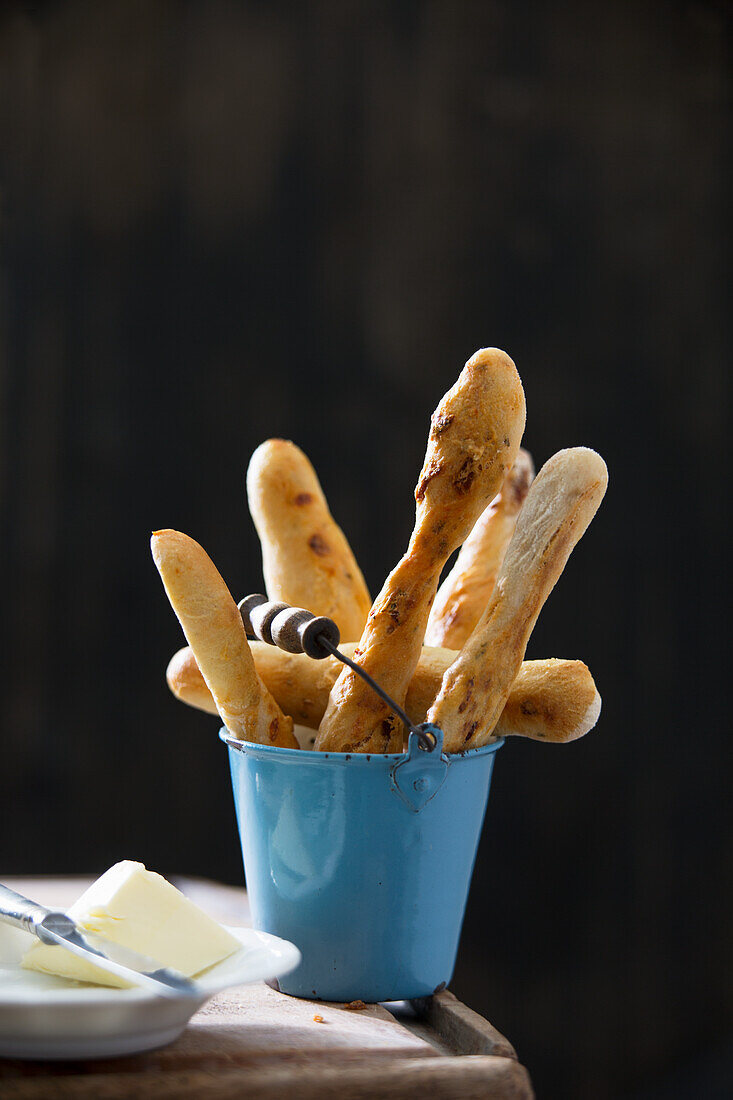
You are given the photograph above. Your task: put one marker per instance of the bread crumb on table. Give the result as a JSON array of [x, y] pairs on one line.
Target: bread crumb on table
[[355, 1006], [318, 1020]]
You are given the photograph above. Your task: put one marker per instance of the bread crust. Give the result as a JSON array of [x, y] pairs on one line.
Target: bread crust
[[306, 558], [552, 700], [474, 439], [464, 593], [559, 506], [214, 630]]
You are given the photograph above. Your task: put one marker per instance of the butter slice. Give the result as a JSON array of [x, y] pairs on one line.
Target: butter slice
[[139, 910]]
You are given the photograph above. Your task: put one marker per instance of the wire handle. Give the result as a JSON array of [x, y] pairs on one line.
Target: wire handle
[[299, 631]]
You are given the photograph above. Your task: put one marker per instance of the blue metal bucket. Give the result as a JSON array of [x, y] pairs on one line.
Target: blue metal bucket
[[363, 861]]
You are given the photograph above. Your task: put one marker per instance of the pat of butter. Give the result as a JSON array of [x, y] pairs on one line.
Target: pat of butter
[[140, 910]]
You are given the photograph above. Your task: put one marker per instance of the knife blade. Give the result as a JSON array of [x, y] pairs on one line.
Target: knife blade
[[57, 928]]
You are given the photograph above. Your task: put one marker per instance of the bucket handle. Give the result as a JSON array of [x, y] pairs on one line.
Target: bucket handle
[[299, 631], [420, 774]]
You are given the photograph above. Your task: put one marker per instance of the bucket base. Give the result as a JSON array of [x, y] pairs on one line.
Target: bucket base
[[313, 995]]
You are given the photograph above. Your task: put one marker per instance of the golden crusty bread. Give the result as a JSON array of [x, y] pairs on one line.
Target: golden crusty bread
[[214, 630], [184, 679], [474, 439], [559, 506], [464, 593], [551, 700], [299, 684], [306, 559]]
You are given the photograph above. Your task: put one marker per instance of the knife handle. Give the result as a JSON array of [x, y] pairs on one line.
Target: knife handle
[[26, 914]]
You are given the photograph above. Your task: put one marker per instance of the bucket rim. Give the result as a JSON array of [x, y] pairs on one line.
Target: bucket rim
[[311, 756]]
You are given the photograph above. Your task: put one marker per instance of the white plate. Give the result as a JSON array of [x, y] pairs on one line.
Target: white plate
[[44, 1017]]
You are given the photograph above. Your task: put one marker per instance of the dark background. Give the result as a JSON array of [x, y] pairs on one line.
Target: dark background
[[220, 222]]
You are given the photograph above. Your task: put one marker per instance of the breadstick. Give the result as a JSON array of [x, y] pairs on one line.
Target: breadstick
[[464, 593], [559, 506], [214, 630], [184, 679], [299, 684], [306, 559], [551, 700], [474, 438]]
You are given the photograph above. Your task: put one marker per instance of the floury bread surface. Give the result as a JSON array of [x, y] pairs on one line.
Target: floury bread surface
[[306, 559], [474, 438], [214, 629], [465, 592], [560, 504], [140, 910]]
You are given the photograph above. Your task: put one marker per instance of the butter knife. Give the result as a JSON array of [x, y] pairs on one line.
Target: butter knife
[[56, 928]]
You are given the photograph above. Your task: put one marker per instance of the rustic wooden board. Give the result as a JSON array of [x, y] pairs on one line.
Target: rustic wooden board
[[257, 1042]]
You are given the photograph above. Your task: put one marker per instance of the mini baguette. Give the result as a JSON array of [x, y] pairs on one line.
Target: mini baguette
[[474, 439], [559, 506], [551, 700], [465, 592], [306, 559], [214, 630]]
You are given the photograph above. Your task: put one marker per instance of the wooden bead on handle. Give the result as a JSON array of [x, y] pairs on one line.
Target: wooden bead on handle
[[312, 636], [299, 631], [285, 628], [247, 606], [293, 629], [261, 616]]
